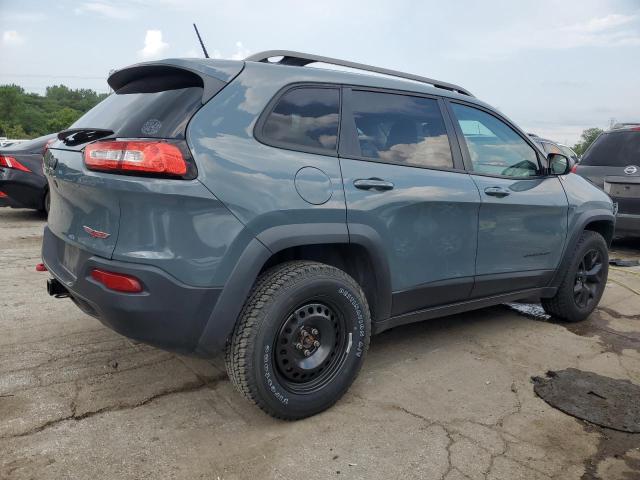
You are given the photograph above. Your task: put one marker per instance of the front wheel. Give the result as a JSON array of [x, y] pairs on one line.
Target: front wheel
[[301, 339], [584, 280]]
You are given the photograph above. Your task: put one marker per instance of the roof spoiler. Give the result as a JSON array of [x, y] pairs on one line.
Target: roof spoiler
[[171, 74]]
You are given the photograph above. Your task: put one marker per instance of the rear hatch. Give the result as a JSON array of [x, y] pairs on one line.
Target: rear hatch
[[131, 145], [613, 164]]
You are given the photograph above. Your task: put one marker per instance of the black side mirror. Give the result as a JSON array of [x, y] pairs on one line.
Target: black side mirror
[[558, 164]]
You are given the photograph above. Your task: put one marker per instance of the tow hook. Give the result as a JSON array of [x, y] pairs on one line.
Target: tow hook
[[56, 289]]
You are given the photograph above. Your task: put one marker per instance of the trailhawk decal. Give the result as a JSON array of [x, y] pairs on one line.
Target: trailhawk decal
[[360, 327], [267, 375]]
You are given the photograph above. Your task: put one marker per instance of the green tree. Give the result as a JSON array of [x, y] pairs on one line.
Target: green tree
[[28, 115], [587, 138], [62, 118]]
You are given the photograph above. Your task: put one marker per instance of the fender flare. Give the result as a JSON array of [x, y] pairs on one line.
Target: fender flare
[[223, 318], [583, 220]]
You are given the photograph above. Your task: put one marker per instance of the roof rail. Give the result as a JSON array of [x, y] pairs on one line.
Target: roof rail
[[299, 59]]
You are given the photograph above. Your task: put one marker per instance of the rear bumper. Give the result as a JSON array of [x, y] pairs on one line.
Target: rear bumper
[[627, 225], [167, 314]]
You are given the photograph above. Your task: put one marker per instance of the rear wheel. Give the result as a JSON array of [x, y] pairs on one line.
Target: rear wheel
[[584, 280], [301, 339]]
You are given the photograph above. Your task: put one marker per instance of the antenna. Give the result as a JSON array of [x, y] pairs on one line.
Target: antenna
[[206, 55]]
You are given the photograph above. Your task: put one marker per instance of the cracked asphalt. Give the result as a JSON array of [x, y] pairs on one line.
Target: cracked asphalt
[[447, 399]]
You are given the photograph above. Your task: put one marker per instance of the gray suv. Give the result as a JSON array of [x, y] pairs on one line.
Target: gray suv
[[283, 214], [612, 162]]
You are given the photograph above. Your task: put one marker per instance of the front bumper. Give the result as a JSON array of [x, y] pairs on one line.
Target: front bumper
[[167, 313]]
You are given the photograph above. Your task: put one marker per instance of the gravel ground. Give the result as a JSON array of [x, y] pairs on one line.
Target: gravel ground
[[446, 399]]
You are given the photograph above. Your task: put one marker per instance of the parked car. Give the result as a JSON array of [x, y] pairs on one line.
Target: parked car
[[22, 181], [612, 162], [569, 153], [549, 146], [283, 214]]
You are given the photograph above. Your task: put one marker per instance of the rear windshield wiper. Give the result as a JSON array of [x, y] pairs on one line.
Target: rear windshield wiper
[[76, 136]]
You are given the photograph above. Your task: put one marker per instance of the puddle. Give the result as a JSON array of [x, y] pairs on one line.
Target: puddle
[[602, 401], [531, 310], [594, 326]]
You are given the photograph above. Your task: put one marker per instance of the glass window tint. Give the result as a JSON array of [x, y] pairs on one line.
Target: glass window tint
[[401, 129], [551, 148], [306, 117], [162, 114], [495, 148], [614, 149], [568, 152]]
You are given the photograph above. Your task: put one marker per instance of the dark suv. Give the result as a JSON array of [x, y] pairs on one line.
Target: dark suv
[[282, 214], [612, 162]]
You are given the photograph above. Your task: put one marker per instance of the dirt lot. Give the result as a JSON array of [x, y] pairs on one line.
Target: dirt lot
[[447, 399]]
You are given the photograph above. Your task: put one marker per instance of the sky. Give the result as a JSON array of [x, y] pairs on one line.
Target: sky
[[554, 67]]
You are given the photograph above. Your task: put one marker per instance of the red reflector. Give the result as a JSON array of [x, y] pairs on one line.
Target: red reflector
[[3, 195], [135, 156], [40, 267], [117, 281], [10, 162], [46, 145], [574, 169]]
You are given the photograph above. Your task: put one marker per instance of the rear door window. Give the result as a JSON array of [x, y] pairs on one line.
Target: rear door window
[[304, 118], [494, 147], [401, 129], [614, 149]]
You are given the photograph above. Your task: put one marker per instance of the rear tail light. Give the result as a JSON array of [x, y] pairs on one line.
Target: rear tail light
[[10, 162], [574, 169], [3, 195], [46, 145], [117, 281], [151, 157]]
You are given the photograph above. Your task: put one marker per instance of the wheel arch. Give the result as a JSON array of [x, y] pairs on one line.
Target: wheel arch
[[600, 221], [358, 251]]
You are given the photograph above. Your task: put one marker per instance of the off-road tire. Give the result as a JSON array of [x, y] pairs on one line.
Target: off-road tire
[[563, 305], [252, 358]]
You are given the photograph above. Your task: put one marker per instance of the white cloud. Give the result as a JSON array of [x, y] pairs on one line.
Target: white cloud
[[154, 46], [104, 9], [241, 53], [599, 24], [12, 38], [613, 30]]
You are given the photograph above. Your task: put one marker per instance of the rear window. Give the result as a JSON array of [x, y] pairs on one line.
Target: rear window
[[615, 149], [162, 114], [305, 118]]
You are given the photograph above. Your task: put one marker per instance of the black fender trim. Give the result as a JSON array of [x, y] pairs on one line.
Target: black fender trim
[[583, 220], [370, 240], [222, 320]]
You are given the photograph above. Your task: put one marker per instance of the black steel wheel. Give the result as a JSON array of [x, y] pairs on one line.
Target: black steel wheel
[[311, 347], [301, 339]]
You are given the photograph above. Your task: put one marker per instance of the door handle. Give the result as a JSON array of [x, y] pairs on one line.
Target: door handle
[[497, 192], [372, 183]]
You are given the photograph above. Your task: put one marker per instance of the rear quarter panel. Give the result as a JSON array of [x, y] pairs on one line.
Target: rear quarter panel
[[256, 181]]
